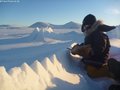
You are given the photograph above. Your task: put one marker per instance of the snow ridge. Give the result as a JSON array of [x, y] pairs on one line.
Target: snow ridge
[[38, 76]]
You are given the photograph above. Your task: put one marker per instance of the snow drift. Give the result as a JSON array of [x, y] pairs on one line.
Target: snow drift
[[48, 72], [38, 76], [36, 35]]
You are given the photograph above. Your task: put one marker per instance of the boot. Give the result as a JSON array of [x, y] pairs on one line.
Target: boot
[[114, 67], [114, 87]]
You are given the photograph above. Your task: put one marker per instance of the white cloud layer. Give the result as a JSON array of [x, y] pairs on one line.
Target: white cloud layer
[[113, 11]]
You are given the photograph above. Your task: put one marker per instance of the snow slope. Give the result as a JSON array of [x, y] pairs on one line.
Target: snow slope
[[38, 60]]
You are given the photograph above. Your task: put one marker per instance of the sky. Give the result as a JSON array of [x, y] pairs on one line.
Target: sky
[[27, 12]]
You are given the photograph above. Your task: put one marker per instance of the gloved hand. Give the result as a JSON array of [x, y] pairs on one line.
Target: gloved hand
[[75, 49], [82, 50]]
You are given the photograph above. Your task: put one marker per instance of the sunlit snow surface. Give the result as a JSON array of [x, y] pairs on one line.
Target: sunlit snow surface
[[38, 59]]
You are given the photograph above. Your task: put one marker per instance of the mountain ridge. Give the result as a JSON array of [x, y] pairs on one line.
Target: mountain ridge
[[69, 25]]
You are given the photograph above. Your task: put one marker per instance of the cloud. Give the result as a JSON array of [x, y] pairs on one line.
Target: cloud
[[113, 11]]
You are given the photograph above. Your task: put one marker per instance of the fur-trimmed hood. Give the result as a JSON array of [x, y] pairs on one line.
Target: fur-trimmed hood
[[93, 28]]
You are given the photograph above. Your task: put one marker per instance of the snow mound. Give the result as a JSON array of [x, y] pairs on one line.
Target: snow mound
[[36, 35], [38, 76]]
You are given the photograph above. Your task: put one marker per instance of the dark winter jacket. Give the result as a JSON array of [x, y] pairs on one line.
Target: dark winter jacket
[[99, 42]]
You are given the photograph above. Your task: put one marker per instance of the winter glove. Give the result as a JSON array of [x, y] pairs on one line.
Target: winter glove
[[75, 49], [84, 50]]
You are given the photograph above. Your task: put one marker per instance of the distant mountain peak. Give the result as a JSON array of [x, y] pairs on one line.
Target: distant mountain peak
[[69, 25], [4, 25], [40, 25], [71, 22], [72, 25]]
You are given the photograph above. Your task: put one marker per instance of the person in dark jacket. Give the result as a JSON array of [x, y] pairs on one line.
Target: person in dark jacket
[[99, 43], [93, 30], [95, 51]]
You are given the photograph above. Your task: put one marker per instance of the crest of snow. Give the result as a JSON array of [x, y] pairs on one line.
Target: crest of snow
[[44, 76], [37, 77]]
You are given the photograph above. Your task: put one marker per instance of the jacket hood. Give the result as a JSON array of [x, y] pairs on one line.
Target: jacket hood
[[93, 28]]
